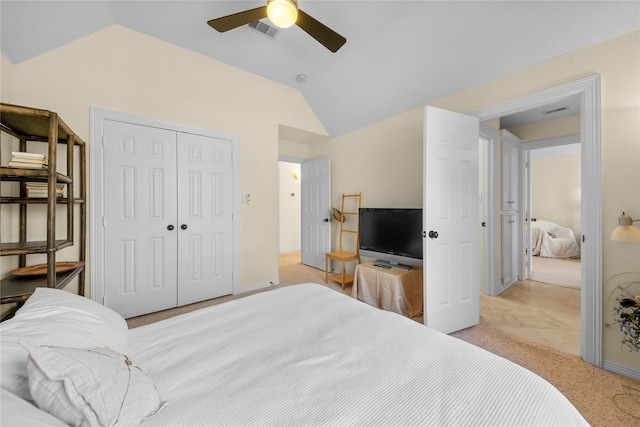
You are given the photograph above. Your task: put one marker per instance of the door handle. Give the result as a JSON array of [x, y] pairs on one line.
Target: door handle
[[327, 220], [183, 226], [170, 227], [433, 234]]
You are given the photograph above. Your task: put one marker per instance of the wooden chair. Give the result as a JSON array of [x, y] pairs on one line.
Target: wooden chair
[[341, 255]]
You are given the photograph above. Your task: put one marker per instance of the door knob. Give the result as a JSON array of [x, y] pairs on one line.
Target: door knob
[[183, 226], [170, 227], [433, 234], [327, 220]]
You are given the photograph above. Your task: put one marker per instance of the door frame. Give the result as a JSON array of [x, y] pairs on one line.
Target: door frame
[[303, 240], [589, 90], [97, 118], [490, 265]]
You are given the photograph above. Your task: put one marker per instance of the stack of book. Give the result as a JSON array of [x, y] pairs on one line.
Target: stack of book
[[40, 189], [24, 160]]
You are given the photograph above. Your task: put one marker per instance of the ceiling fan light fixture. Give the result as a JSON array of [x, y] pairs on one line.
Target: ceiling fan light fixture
[[282, 13]]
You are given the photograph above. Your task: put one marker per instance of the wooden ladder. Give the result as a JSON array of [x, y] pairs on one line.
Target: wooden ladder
[[341, 255]]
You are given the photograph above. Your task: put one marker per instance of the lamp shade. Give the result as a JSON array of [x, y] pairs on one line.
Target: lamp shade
[[625, 231], [282, 13]]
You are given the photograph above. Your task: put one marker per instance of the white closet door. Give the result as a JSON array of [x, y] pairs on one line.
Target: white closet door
[[139, 208], [205, 218]]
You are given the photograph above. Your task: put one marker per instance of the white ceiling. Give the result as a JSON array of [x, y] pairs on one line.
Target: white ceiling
[[399, 55]]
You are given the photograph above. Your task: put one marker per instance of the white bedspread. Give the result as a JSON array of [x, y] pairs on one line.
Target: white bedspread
[[307, 355], [553, 241]]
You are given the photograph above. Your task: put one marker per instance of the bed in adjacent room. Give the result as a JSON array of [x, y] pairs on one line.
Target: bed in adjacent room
[[551, 240], [297, 355]]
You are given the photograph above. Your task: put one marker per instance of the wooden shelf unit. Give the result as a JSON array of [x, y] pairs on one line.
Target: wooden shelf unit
[[32, 126], [341, 255]]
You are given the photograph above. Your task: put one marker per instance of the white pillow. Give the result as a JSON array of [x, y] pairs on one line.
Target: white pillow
[[18, 412], [94, 387], [59, 318]]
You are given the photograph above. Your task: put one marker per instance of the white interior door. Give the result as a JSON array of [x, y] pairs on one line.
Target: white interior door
[[204, 226], [451, 275], [316, 211], [139, 202]]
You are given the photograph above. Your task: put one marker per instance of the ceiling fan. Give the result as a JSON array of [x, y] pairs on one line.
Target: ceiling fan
[[283, 14]]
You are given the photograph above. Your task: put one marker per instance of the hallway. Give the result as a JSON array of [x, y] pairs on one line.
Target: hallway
[[538, 312]]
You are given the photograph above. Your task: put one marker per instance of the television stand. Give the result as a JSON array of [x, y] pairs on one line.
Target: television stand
[[388, 264], [389, 289]]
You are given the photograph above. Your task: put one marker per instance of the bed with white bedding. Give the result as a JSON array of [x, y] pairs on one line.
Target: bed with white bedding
[[551, 240], [308, 355]]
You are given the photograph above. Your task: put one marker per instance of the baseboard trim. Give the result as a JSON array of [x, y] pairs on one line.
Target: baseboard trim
[[616, 368], [257, 286]]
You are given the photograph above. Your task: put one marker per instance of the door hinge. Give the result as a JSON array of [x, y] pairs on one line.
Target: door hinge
[[103, 140], [104, 221]]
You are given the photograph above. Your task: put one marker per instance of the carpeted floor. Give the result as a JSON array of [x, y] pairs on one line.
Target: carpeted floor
[[557, 271], [603, 398]]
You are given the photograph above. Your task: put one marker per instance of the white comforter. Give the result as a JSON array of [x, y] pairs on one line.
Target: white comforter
[[553, 241], [307, 355]]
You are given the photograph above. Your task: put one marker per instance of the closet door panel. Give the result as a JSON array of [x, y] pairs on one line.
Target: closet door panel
[[205, 218], [139, 204]]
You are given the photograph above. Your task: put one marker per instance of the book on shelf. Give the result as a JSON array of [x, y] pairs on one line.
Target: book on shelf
[[23, 165], [29, 160], [27, 154], [25, 160], [41, 189]]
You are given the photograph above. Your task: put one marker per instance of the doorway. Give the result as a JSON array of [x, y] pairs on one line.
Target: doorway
[[554, 190], [308, 208], [588, 91], [289, 207], [543, 306]]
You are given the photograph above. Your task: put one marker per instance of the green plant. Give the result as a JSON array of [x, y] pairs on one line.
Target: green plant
[[627, 314]]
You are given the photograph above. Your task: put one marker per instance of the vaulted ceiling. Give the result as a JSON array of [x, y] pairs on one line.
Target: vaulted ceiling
[[399, 55]]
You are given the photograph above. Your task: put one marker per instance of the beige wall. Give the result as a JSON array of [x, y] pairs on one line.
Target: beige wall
[[362, 159], [556, 191], [293, 149], [383, 161], [126, 71]]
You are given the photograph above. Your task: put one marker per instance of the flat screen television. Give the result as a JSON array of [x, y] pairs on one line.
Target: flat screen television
[[392, 236]]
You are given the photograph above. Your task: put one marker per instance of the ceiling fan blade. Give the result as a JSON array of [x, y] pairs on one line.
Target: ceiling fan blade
[[229, 22], [325, 35]]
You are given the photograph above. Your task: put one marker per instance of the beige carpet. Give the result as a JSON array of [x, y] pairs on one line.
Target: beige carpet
[[557, 271], [603, 398], [537, 312]]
